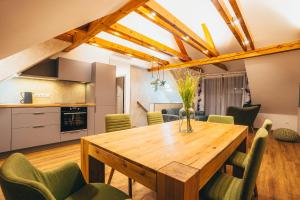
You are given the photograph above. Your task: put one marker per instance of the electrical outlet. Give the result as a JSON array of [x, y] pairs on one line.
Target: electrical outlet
[[42, 95]]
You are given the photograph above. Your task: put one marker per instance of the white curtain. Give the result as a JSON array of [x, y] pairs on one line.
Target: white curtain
[[223, 91]]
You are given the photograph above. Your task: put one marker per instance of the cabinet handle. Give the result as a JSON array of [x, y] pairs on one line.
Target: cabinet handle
[[38, 126], [38, 113]]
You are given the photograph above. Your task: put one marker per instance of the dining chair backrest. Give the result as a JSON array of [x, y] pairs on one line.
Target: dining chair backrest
[[154, 118], [254, 161], [117, 122], [267, 125], [221, 119]]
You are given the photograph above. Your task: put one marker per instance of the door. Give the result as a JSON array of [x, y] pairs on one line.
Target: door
[[120, 94]]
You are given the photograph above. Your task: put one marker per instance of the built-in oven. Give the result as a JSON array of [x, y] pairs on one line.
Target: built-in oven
[[73, 118]]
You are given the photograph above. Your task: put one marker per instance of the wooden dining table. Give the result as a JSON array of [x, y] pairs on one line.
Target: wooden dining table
[[175, 165]]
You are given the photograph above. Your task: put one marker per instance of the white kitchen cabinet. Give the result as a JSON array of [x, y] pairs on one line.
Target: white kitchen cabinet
[[35, 136], [73, 70], [5, 133], [34, 127], [102, 92], [72, 135], [91, 121]]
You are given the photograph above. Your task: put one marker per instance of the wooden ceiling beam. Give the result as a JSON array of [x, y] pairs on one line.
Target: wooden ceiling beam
[[181, 47], [163, 18], [240, 17], [207, 35], [140, 39], [101, 43], [103, 23], [234, 56], [225, 14]]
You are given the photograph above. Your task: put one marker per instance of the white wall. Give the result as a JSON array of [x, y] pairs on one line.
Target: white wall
[[142, 91], [27, 58], [27, 23], [123, 70], [274, 83], [44, 91]]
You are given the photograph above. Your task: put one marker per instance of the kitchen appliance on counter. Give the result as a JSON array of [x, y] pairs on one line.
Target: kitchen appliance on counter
[[26, 97], [73, 119]]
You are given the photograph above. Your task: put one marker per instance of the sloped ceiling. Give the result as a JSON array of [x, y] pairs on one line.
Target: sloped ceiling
[[27, 23]]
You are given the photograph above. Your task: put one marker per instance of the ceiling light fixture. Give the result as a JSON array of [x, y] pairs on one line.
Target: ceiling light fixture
[[128, 54], [95, 44], [152, 48], [116, 33], [246, 42], [235, 21], [152, 15], [205, 51], [186, 38]]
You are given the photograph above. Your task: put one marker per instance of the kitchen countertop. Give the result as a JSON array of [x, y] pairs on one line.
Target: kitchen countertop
[[36, 105]]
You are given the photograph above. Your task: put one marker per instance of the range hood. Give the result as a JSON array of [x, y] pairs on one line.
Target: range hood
[[47, 69], [60, 69]]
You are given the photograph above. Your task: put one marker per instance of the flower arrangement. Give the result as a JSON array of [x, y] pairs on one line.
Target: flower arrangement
[[187, 87]]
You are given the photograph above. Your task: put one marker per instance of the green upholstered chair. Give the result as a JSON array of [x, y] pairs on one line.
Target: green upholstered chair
[[267, 125], [220, 119], [154, 118], [240, 159], [226, 187], [118, 122], [20, 180]]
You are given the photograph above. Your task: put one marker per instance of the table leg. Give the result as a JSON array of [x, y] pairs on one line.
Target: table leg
[[237, 171], [96, 171], [92, 169], [175, 185]]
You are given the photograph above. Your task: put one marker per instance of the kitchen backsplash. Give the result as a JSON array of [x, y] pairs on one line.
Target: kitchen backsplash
[[44, 91]]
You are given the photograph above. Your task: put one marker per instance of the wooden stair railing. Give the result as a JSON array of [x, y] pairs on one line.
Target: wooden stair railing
[[142, 106]]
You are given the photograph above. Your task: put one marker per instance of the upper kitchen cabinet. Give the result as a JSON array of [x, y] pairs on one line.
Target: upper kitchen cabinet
[[73, 70]]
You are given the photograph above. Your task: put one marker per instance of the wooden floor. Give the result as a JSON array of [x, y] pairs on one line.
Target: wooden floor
[[279, 176]]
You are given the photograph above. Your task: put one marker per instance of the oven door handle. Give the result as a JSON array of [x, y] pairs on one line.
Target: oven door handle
[[75, 113]]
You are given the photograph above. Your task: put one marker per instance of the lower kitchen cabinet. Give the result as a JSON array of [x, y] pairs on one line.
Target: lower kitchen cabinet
[[72, 135], [5, 133], [35, 136], [91, 120]]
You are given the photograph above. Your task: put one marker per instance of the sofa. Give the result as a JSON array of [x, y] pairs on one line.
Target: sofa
[[172, 114]]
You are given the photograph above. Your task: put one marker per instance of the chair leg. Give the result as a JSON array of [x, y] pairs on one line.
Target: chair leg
[[130, 187], [110, 176]]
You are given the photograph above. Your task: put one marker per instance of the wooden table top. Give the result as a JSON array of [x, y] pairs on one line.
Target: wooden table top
[[156, 146]]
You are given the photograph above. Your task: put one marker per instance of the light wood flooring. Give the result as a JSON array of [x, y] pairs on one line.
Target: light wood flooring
[[279, 176]]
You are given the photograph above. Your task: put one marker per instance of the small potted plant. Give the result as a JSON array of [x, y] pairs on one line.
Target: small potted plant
[[187, 87]]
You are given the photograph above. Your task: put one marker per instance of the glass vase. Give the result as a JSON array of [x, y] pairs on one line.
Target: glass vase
[[185, 117]]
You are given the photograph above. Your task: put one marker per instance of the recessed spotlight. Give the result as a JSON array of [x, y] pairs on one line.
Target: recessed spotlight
[[152, 48], [246, 42], [95, 44], [235, 21], [152, 15], [116, 33], [205, 51], [186, 38], [175, 57], [128, 54]]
